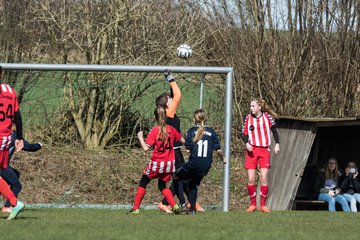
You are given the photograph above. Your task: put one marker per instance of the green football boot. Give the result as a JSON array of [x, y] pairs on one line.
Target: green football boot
[[132, 211], [16, 210], [176, 209]]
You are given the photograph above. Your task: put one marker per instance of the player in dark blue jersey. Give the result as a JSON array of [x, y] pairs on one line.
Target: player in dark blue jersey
[[201, 141]]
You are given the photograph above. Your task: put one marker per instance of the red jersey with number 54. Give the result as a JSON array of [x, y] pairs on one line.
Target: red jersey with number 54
[[163, 157], [8, 106]]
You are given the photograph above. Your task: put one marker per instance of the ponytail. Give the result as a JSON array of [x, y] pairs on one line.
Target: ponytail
[[265, 107], [199, 119], [160, 116]]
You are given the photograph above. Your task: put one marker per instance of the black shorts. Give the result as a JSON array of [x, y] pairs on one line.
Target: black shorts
[[186, 176], [179, 158]]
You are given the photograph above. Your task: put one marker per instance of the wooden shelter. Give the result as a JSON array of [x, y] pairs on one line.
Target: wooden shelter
[[306, 144]]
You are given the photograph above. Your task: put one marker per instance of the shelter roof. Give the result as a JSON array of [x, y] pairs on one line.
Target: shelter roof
[[326, 122]]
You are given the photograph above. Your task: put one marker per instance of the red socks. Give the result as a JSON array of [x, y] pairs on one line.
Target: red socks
[[252, 194], [140, 193], [264, 190], [7, 193], [169, 197]]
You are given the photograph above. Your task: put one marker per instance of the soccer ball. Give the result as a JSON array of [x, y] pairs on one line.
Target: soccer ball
[[184, 51]]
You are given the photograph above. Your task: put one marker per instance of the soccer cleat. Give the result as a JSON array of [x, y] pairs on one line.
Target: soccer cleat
[[16, 210], [6, 209], [132, 211], [265, 209], [176, 209], [183, 209], [191, 212], [164, 208], [199, 208], [252, 208]]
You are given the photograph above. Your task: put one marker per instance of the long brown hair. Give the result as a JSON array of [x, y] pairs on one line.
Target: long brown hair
[[160, 116], [265, 107], [332, 174], [199, 119], [161, 101]]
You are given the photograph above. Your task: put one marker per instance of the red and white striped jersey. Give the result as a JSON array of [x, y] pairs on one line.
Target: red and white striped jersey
[[8, 106], [5, 142], [258, 129], [163, 157]]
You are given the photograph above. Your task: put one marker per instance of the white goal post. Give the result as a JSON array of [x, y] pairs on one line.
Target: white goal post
[[175, 69]]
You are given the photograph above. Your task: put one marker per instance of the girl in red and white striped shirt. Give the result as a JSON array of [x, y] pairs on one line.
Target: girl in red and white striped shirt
[[256, 134], [162, 163]]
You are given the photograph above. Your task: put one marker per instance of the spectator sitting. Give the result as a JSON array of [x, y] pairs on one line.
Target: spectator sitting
[[327, 186], [350, 185]]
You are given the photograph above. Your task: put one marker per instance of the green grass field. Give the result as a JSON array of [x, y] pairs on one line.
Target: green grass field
[[153, 224]]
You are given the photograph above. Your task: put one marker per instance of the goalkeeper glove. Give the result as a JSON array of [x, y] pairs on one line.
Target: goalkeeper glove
[[168, 76]]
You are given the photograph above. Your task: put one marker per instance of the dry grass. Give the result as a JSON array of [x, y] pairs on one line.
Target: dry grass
[[75, 175]]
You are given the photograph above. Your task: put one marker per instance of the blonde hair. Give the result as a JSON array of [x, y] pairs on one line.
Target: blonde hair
[[334, 174], [265, 107], [199, 119], [160, 116]]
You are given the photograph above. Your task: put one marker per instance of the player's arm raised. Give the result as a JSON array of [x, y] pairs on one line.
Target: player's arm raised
[[171, 110]]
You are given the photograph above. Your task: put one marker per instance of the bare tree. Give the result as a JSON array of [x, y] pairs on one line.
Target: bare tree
[[109, 32], [298, 55], [15, 45], [308, 60]]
